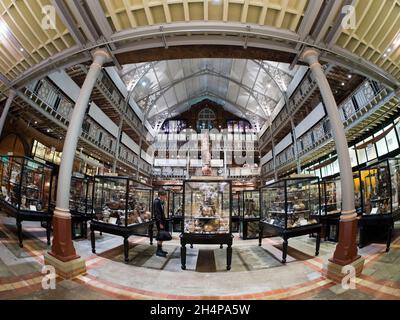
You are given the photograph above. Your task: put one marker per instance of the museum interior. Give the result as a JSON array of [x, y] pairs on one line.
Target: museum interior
[[267, 133]]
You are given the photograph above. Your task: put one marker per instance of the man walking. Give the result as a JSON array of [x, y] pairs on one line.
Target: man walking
[[158, 209]]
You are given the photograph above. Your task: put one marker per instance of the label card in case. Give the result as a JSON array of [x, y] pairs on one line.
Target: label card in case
[[112, 220]]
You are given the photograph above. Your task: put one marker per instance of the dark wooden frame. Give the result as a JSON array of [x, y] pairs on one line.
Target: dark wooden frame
[[212, 238]]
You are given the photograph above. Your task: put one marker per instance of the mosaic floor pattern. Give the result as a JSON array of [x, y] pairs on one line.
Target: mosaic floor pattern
[[256, 273]]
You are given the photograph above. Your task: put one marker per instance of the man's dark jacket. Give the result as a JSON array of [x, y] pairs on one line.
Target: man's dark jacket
[[158, 211]]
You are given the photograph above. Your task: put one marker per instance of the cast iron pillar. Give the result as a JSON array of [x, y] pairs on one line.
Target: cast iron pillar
[[346, 249], [62, 255], [3, 117]]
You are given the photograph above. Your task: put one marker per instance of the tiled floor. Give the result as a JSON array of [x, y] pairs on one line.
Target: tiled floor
[[256, 271]]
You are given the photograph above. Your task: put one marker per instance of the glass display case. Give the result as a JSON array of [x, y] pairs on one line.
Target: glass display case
[[26, 191], [80, 204], [331, 206], [376, 189], [394, 168], [236, 200], [379, 208], [250, 214], [172, 206], [121, 206], [291, 207], [207, 215], [177, 211], [331, 196]]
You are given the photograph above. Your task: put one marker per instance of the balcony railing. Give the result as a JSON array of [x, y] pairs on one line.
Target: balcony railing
[[53, 102], [367, 96], [300, 95]]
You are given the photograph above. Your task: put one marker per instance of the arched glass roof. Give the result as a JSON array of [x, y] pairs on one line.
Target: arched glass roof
[[250, 89]]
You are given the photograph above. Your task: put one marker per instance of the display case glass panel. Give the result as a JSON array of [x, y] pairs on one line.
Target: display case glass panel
[[25, 184], [376, 189], [331, 195], [394, 167], [177, 204], [251, 204], [139, 204], [80, 200], [236, 199], [291, 202], [357, 192], [207, 207], [121, 201]]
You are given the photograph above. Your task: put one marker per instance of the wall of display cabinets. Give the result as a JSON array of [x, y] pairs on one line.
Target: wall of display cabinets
[[207, 213], [123, 207], [376, 188], [290, 208], [204, 210], [26, 191], [250, 214]]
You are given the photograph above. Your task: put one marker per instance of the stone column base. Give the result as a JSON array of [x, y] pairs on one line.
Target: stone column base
[[68, 269], [334, 270]]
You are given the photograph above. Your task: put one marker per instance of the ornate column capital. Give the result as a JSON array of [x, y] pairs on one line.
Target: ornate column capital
[[100, 56], [310, 55], [11, 93]]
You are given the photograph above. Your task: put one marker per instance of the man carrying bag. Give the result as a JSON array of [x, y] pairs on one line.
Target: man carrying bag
[[162, 234]]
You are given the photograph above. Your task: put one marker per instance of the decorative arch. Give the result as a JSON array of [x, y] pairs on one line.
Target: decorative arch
[[14, 143]]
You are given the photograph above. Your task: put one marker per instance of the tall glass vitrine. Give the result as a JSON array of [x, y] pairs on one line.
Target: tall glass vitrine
[[26, 186], [207, 213]]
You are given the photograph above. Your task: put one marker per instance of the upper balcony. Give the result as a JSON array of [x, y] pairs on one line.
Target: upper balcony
[[368, 107]]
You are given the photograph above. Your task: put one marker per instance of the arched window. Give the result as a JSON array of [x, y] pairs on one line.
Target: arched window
[[206, 119]]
